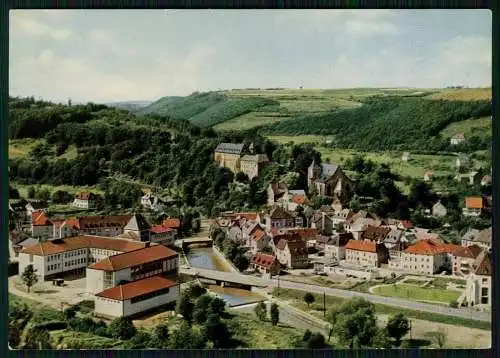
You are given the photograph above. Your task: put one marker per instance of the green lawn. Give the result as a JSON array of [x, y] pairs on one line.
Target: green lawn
[[250, 120], [298, 139], [87, 340], [23, 189], [415, 293], [21, 147], [296, 299]]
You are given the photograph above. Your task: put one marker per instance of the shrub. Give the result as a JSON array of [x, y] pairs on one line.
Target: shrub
[[453, 304], [47, 315], [53, 325]]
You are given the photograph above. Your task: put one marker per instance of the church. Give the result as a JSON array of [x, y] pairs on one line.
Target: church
[[329, 180]]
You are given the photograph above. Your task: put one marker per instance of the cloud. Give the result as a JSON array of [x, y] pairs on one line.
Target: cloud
[[472, 50], [370, 28], [31, 26], [103, 35]]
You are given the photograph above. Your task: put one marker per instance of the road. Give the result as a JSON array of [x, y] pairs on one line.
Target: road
[[290, 317], [390, 301]]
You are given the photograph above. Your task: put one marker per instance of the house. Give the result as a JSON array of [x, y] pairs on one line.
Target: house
[[483, 238], [358, 224], [172, 223], [17, 241], [85, 200], [439, 210], [295, 198], [138, 264], [335, 247], [265, 264], [252, 165], [428, 175], [34, 206], [486, 180], [109, 226], [259, 240], [463, 260], [235, 233], [375, 233], [152, 202], [292, 253], [366, 253], [247, 229], [478, 288], [470, 178], [469, 237], [329, 180], [136, 297], [405, 157], [474, 206], [162, 235], [323, 223], [58, 257], [41, 226], [457, 139], [426, 257], [462, 161], [305, 234], [275, 192], [279, 218], [137, 229]]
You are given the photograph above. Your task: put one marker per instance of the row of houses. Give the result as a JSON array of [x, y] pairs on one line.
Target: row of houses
[[130, 226], [124, 277]]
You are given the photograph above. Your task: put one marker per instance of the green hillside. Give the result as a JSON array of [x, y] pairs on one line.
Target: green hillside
[[383, 123]]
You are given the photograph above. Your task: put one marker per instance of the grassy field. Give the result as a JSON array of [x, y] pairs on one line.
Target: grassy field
[[250, 120], [296, 299], [262, 335], [87, 340], [463, 94], [480, 127], [416, 293], [23, 189], [21, 147]]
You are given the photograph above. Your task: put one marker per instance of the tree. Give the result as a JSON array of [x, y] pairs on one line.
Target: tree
[[122, 328], [29, 276], [261, 311], [185, 338], [308, 298], [275, 314], [141, 340], [217, 306], [37, 338], [354, 323], [382, 339], [397, 326], [31, 192], [439, 337], [185, 308], [159, 337], [217, 332], [201, 307], [195, 290], [14, 335]]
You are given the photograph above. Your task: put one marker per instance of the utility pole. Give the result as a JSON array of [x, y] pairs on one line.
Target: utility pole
[[324, 304], [410, 330], [278, 285]]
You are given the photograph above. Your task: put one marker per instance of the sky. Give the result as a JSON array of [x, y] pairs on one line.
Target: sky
[[122, 55]]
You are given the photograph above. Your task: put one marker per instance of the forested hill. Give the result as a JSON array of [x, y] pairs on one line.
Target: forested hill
[[93, 144], [394, 123]]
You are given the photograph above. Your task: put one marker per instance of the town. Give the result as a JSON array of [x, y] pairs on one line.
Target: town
[[323, 180], [129, 267]]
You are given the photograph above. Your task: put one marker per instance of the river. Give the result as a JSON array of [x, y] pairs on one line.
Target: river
[[203, 257]]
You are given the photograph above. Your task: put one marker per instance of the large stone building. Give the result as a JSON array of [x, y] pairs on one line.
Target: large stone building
[[237, 157], [86, 200], [366, 253], [329, 180], [478, 289]]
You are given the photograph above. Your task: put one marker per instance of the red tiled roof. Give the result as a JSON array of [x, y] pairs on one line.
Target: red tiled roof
[[39, 218], [89, 222], [136, 288], [375, 233], [358, 245], [172, 223], [133, 258], [80, 242], [258, 234], [474, 202], [469, 252], [431, 247], [73, 223], [263, 260], [85, 195], [299, 199], [303, 232], [160, 229], [483, 264], [280, 213], [248, 216], [459, 136]]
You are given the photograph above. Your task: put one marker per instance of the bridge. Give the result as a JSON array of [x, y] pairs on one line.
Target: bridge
[[193, 240], [222, 278]]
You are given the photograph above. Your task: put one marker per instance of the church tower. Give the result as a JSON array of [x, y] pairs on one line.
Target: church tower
[[313, 172]]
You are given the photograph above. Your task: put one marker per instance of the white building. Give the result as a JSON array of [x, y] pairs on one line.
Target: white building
[[41, 226], [136, 297], [132, 266], [62, 256], [151, 201], [439, 210], [85, 200], [478, 289], [457, 139]]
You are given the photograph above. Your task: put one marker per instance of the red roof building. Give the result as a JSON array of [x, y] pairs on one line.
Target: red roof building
[[172, 223]]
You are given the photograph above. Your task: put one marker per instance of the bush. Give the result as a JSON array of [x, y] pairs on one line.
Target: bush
[[453, 304], [47, 315], [53, 325]]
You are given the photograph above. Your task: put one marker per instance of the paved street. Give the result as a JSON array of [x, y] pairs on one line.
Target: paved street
[[391, 301]]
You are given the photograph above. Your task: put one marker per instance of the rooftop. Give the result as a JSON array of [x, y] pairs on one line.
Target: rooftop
[[264, 260], [358, 245], [134, 258], [230, 148], [431, 247], [474, 202], [137, 288]]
